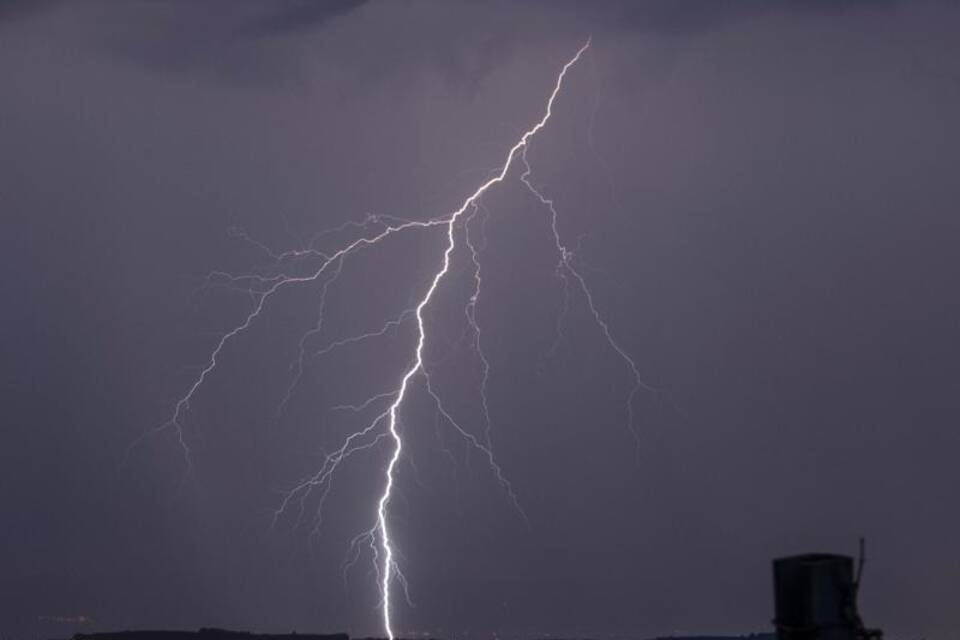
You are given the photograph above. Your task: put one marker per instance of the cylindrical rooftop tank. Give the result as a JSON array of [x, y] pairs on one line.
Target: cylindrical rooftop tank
[[815, 597]]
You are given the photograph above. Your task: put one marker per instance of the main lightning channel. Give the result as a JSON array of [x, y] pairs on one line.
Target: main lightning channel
[[384, 502]]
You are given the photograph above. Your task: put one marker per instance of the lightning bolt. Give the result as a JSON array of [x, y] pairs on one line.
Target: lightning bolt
[[384, 502], [315, 264], [566, 269]]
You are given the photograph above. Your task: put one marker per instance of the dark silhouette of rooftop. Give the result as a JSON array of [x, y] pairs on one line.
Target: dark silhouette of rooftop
[[206, 634], [750, 636]]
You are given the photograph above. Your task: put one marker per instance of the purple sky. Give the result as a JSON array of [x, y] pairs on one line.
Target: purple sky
[[762, 196]]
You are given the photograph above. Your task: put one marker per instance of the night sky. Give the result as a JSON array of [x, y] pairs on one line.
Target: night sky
[[761, 195]]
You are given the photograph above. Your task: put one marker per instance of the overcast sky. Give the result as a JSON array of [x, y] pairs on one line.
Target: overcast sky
[[763, 199]]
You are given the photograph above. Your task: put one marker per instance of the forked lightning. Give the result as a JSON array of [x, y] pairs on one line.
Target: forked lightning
[[384, 425]]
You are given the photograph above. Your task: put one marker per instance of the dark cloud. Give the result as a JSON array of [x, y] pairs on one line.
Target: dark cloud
[[17, 9], [241, 41], [278, 17], [699, 16], [298, 15], [251, 41]]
